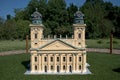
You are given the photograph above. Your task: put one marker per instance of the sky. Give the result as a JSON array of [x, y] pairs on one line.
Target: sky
[[8, 6]]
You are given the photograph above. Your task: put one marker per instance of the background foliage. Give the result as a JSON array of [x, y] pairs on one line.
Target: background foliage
[[101, 18]]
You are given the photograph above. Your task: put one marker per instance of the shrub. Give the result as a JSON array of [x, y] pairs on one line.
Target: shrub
[[115, 42], [99, 42]]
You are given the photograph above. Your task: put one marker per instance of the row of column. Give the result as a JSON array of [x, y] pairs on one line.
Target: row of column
[[41, 63]]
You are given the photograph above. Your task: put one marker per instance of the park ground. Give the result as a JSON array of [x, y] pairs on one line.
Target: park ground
[[103, 67]]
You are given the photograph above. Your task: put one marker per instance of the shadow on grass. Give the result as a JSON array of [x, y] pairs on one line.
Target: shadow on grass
[[117, 70], [26, 64]]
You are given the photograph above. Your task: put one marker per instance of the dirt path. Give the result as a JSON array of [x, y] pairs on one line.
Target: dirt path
[[12, 52], [115, 51]]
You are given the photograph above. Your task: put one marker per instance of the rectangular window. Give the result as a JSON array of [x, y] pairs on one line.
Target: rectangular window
[[57, 59], [45, 59], [70, 59], [79, 35], [64, 59], [35, 36], [51, 59], [79, 58], [35, 59]]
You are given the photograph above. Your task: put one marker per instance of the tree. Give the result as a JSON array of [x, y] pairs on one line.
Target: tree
[[10, 29], [1, 28], [22, 28], [71, 10], [97, 25], [56, 14]]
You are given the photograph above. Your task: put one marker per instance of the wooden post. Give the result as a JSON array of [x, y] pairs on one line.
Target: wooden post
[[111, 42], [26, 43]]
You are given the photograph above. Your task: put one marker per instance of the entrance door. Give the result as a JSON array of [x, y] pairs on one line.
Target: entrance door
[[45, 68], [58, 69], [70, 68]]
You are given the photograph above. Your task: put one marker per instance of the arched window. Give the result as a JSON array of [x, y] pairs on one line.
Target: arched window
[[51, 67], [51, 59], [45, 68], [58, 69], [35, 67], [63, 67], [79, 67], [35, 59], [35, 35], [64, 59], [79, 59], [70, 68], [57, 59], [45, 59], [70, 59], [79, 35]]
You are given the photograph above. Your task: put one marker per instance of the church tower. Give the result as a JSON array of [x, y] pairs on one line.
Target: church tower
[[36, 29], [79, 29]]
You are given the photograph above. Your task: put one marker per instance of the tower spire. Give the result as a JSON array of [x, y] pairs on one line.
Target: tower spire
[[36, 9]]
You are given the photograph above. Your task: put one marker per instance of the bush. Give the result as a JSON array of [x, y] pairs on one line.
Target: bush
[[99, 42], [115, 42]]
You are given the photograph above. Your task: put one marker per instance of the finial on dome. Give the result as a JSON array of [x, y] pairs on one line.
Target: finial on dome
[[36, 9]]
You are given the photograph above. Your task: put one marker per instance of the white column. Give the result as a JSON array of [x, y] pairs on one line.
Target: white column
[[73, 62], [67, 60], [48, 62], [55, 63], [76, 62]]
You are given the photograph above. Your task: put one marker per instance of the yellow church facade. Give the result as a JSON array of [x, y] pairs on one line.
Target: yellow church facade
[[57, 55]]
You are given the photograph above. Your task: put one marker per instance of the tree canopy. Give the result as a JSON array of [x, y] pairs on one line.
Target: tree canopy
[[101, 18]]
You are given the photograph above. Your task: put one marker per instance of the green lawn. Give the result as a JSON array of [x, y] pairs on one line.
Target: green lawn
[[8, 45], [102, 68], [102, 43]]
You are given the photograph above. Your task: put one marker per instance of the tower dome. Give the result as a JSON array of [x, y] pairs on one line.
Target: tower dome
[[78, 17], [36, 17]]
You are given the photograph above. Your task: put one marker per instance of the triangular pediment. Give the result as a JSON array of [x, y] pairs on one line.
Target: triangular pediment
[[57, 45]]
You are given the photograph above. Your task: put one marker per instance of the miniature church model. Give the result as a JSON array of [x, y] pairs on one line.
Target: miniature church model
[[58, 55]]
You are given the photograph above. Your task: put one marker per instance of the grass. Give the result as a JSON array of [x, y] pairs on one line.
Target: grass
[[102, 43], [103, 67], [8, 45]]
